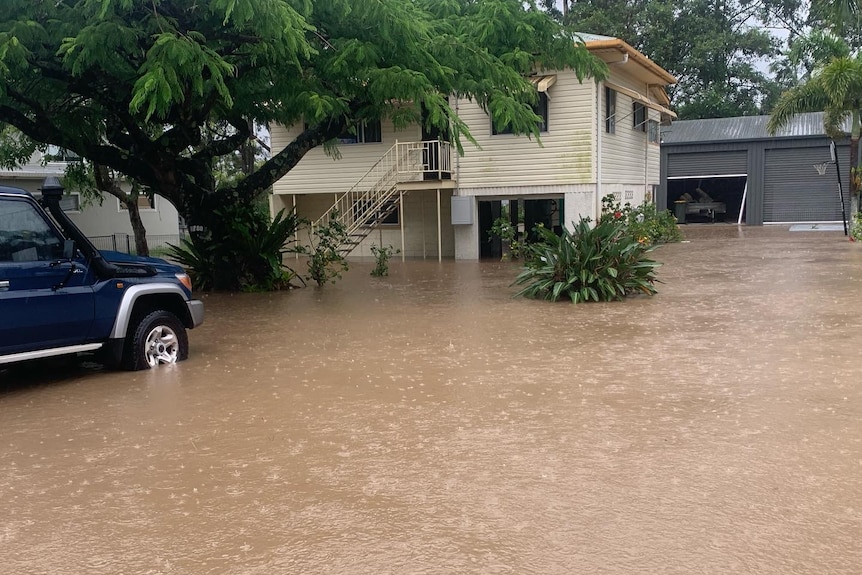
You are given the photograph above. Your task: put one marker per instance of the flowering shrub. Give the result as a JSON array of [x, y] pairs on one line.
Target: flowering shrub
[[600, 263], [644, 222]]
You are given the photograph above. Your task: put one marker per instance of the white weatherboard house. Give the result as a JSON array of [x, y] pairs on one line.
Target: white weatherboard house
[[410, 190], [106, 224]]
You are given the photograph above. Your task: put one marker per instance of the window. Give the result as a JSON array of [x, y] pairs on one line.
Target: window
[[70, 202], [25, 236], [652, 132], [610, 111], [144, 203], [540, 109], [362, 133], [360, 211], [639, 117], [58, 154]]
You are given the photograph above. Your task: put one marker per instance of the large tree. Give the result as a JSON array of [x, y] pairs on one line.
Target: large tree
[[719, 50], [138, 85]]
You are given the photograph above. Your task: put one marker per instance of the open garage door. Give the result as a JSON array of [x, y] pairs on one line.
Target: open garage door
[[709, 197], [794, 191]]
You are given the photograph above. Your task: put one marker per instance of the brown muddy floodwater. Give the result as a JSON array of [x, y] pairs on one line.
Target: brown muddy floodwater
[[429, 423]]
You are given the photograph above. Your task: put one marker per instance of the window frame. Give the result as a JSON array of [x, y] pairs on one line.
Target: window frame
[[610, 110], [541, 109], [364, 132], [393, 219], [640, 116], [149, 207]]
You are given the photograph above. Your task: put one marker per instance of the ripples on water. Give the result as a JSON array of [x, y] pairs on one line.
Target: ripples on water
[[429, 423]]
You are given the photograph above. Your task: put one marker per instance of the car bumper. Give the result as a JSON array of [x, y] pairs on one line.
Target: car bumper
[[196, 312]]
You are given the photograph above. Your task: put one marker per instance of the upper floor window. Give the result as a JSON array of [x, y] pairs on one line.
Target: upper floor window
[[144, 202], [362, 133], [639, 117], [540, 108], [70, 202], [610, 111], [58, 154]]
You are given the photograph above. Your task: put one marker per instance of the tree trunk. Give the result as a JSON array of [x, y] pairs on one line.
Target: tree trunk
[[141, 247], [106, 183]]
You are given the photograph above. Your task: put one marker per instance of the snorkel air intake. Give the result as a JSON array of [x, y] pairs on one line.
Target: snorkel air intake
[[52, 192]]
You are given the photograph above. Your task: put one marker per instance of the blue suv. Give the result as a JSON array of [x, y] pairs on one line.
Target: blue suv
[[59, 295]]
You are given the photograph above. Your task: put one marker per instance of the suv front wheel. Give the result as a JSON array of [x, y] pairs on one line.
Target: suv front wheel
[[158, 338]]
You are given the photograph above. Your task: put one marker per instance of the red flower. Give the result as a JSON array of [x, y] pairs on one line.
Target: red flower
[[618, 215]]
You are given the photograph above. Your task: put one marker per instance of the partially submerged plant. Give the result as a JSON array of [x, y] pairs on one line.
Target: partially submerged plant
[[325, 260], [600, 263], [508, 233], [856, 227], [244, 255], [382, 256], [645, 222]]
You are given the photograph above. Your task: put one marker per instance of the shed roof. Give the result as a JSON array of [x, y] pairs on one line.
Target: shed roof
[[741, 128]]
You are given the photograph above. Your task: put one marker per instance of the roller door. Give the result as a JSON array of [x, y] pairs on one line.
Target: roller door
[[793, 191], [707, 164]]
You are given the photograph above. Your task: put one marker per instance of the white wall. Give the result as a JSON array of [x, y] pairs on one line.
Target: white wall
[[317, 173], [630, 163], [107, 218], [563, 156]]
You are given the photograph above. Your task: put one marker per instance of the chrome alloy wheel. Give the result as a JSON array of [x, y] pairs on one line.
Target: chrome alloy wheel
[[161, 346]]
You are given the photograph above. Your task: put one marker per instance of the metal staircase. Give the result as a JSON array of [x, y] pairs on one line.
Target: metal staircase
[[376, 195]]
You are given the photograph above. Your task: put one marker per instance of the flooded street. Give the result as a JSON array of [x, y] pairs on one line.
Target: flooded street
[[429, 423]]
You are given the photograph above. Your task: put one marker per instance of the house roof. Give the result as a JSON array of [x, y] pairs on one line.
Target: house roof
[[613, 50], [742, 128]]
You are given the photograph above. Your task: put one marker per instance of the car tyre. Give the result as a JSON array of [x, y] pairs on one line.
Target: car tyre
[[157, 338]]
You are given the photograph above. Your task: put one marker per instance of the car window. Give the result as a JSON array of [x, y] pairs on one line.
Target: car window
[[25, 236]]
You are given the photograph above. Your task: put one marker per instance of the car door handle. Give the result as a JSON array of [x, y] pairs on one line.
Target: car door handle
[[4, 284]]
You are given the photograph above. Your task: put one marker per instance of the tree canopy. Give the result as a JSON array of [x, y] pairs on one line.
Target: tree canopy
[[719, 50], [138, 85]]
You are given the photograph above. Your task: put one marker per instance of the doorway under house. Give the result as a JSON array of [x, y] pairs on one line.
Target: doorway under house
[[523, 214]]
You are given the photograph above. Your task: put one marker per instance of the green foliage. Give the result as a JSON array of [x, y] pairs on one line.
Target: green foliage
[[381, 257], [600, 263], [162, 91], [644, 222], [246, 255], [502, 228], [714, 49], [325, 260], [856, 227]]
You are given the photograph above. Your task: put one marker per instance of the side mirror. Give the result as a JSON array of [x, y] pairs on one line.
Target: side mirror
[[69, 249]]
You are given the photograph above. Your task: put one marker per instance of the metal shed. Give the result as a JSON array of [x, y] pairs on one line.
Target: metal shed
[[758, 177]]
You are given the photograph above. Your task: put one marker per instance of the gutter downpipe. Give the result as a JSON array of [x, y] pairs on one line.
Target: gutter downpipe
[[598, 201]]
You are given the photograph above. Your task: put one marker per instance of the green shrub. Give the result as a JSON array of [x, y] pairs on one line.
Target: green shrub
[[644, 222], [382, 256], [856, 227], [245, 254], [503, 229], [600, 263], [325, 260]]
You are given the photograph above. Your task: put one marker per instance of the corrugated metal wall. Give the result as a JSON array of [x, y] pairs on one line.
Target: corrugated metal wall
[[793, 191], [707, 163], [783, 185]]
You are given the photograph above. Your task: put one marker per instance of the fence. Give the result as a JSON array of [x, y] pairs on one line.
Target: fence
[[125, 243]]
